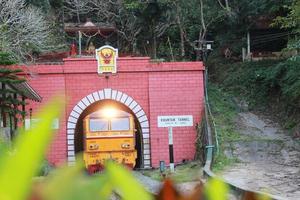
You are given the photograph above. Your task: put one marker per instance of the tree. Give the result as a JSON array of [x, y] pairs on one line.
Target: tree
[[43, 4], [153, 27], [77, 7], [9, 101], [151, 17], [122, 16], [135, 21], [24, 30], [291, 21]]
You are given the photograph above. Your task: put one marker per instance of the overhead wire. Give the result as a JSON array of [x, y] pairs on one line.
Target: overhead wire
[[267, 38], [264, 37]]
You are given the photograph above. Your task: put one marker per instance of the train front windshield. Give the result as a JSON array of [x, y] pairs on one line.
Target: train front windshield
[[120, 124], [114, 124], [114, 120], [98, 125]]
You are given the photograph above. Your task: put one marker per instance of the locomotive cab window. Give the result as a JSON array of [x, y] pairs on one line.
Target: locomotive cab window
[[98, 125], [120, 124]]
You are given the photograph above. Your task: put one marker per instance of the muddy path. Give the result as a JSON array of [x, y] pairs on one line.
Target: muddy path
[[269, 158]]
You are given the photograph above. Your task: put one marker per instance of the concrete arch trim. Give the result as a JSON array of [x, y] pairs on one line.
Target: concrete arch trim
[[115, 95]]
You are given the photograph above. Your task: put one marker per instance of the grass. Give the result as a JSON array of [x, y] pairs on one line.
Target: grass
[[272, 86], [183, 173], [221, 161], [224, 112]]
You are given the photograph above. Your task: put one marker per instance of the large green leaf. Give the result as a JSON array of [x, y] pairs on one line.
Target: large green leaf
[[70, 183], [125, 183], [216, 189], [18, 167]]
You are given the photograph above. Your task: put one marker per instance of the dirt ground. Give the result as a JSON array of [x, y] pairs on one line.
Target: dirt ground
[[270, 159]]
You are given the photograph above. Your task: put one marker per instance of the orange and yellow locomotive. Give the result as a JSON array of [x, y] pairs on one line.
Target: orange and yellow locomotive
[[109, 134]]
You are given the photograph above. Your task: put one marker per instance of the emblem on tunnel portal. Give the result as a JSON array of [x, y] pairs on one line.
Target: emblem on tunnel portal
[[107, 59]]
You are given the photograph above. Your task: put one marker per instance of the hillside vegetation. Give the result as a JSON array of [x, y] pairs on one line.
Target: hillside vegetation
[[168, 29], [269, 86]]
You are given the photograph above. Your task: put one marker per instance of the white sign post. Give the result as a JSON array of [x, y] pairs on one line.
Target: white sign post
[[170, 122]]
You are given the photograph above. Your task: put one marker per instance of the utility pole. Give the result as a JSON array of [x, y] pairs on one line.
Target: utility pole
[[248, 45], [79, 42]]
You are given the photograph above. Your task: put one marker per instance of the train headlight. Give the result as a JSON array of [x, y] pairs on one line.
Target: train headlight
[[125, 146], [93, 146]]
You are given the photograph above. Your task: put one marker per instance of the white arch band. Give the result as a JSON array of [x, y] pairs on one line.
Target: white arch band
[[120, 97]]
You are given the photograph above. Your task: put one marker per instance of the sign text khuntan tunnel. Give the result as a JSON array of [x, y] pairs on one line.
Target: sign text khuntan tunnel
[[140, 87]]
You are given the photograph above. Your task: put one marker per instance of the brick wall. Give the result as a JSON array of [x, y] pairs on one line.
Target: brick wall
[[174, 93], [49, 85], [160, 88]]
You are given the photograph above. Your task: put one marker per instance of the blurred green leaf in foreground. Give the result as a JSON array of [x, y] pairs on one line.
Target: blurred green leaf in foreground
[[22, 163]]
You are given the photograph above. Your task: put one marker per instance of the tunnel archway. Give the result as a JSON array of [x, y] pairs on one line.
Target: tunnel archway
[[97, 100]]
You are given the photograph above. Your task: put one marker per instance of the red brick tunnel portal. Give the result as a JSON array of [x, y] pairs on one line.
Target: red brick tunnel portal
[[147, 89]]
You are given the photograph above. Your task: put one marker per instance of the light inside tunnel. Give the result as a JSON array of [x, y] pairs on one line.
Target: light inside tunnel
[[109, 112]]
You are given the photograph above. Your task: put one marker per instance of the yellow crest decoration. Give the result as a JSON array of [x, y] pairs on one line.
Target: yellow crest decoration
[[107, 59]]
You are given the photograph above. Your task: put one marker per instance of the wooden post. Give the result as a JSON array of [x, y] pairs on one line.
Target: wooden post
[[15, 115], [4, 120], [23, 110]]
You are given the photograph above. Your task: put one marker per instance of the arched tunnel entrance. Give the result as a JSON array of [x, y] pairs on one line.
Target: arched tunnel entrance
[[96, 100], [102, 104]]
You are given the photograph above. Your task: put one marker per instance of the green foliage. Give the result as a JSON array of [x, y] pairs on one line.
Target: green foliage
[[199, 143], [45, 168], [221, 161], [9, 103], [125, 183], [6, 59], [250, 80], [17, 168], [224, 112], [185, 172], [214, 185], [144, 27], [264, 85], [222, 106], [239, 18], [70, 183], [259, 81], [285, 76], [292, 22], [43, 4], [56, 4]]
